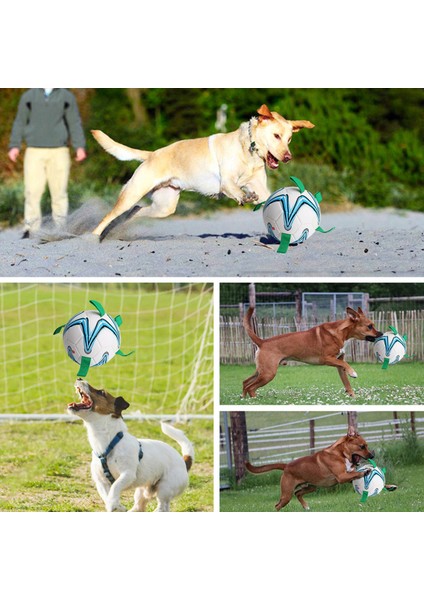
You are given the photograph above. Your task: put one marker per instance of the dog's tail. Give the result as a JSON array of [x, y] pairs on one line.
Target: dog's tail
[[265, 468], [117, 150], [186, 446], [247, 324]]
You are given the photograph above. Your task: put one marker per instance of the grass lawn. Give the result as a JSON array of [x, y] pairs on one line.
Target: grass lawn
[[259, 493], [305, 384], [46, 467]]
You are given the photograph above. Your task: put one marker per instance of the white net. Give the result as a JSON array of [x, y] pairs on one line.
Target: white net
[[168, 326]]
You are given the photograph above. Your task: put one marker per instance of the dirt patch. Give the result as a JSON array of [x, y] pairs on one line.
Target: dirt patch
[[383, 243]]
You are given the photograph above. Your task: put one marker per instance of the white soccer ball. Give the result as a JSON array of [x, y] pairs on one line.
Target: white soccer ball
[[91, 335], [291, 212], [372, 483], [390, 347]]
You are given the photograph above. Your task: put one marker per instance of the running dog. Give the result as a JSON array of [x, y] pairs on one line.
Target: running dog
[[232, 164], [321, 345], [325, 468], [121, 461]]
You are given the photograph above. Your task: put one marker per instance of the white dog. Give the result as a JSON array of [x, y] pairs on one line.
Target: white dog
[[232, 164], [121, 461]]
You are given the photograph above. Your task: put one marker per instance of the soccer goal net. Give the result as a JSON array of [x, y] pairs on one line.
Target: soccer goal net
[[169, 328]]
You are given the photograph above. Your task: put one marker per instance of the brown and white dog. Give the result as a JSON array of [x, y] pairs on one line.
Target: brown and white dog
[[232, 164], [320, 345], [121, 461], [325, 468]]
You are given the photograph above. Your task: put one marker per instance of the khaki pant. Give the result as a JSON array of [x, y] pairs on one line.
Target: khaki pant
[[41, 166]]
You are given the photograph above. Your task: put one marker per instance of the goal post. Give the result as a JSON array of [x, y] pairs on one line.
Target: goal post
[[169, 326]]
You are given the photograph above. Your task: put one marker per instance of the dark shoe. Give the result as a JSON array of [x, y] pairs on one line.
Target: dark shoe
[[25, 234]]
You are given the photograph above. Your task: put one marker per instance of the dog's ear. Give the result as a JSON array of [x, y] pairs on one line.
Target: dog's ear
[[352, 314], [120, 405], [264, 112], [360, 312], [298, 125], [351, 431]]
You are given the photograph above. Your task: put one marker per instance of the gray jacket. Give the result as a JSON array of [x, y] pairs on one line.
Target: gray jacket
[[47, 122]]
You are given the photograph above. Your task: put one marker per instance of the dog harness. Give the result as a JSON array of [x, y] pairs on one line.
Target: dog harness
[[103, 457]]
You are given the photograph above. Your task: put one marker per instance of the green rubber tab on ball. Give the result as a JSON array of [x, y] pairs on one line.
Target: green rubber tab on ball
[[393, 329], [258, 206], [364, 496], [84, 366], [299, 184], [385, 363], [318, 197], [99, 307], [372, 463], [284, 244], [122, 353], [118, 320], [321, 230], [58, 329]]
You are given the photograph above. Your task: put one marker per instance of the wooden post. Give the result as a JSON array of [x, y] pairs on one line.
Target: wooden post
[[240, 444], [241, 311], [352, 421], [366, 303], [312, 436], [413, 422], [298, 298], [395, 416]]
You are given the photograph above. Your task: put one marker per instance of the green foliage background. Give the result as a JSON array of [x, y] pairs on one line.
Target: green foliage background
[[367, 147]]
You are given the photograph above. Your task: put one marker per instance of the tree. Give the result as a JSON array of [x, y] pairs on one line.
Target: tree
[[135, 96], [240, 443]]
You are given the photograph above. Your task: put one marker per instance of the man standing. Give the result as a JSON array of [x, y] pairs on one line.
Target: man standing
[[47, 120]]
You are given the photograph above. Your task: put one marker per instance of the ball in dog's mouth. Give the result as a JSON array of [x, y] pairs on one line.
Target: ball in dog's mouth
[[271, 161], [86, 402]]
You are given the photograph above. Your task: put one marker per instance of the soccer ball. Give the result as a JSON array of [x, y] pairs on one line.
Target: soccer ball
[[371, 484], [390, 348], [93, 336], [292, 214], [289, 212]]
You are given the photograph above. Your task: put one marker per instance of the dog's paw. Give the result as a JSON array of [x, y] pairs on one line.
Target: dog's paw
[[390, 487], [250, 197]]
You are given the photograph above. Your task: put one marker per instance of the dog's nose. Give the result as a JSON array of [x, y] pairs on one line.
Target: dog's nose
[[287, 156], [371, 454]]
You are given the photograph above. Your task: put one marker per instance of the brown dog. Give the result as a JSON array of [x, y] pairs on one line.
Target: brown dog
[[321, 345], [325, 468], [225, 163]]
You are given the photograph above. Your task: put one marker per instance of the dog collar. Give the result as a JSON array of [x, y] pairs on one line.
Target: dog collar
[[103, 457], [252, 145]]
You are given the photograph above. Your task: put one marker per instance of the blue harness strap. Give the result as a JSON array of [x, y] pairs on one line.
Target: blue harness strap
[[103, 457]]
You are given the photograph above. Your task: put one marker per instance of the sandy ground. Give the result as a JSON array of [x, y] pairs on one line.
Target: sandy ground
[[381, 243]]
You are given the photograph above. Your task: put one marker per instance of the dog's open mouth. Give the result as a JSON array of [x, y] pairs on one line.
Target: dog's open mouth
[[371, 338], [356, 459], [271, 161], [85, 404]]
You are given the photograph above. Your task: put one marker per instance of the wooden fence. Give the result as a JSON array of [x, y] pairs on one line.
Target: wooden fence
[[237, 348]]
